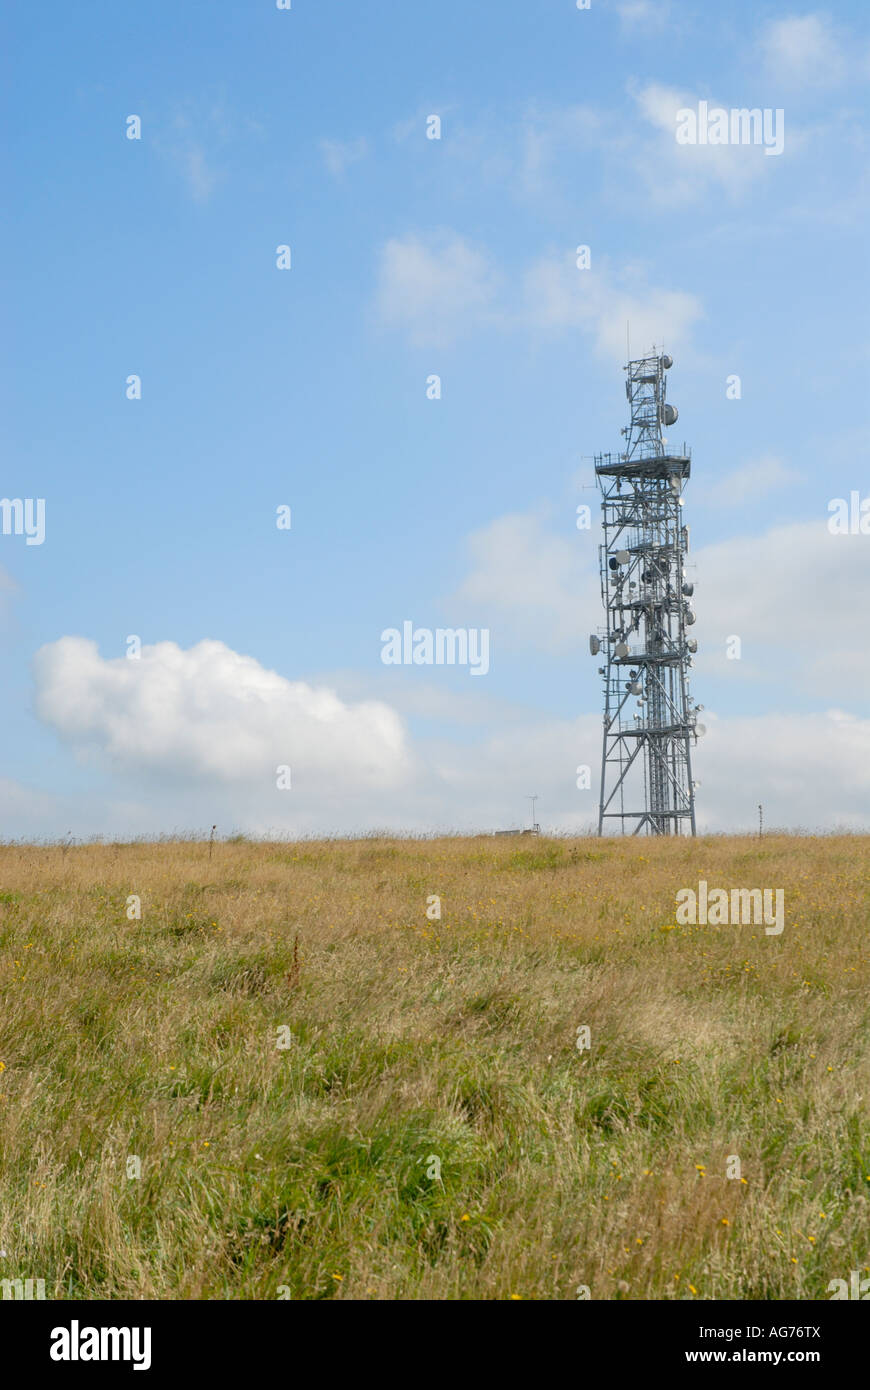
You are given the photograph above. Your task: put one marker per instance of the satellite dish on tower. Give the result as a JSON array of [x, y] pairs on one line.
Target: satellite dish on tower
[[594, 645]]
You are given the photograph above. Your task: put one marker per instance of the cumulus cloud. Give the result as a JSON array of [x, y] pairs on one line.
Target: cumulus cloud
[[435, 289], [187, 737], [631, 145], [537, 586], [793, 595], [675, 173], [210, 713], [28, 812], [439, 289], [809, 771], [804, 50], [752, 481], [560, 296]]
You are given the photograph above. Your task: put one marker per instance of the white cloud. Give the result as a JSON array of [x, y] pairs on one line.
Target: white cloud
[[27, 812], [434, 290], [643, 15], [198, 735], [629, 150], [795, 595], [338, 155], [209, 713], [674, 173], [809, 771], [537, 587], [559, 296], [429, 700], [804, 50], [751, 482], [193, 737]]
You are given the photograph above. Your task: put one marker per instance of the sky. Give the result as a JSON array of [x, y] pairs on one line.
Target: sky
[[325, 259]]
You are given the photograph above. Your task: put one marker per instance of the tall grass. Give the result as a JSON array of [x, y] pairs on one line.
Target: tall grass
[[419, 1046]]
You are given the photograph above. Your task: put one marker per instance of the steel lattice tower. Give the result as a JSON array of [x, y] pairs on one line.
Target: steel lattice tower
[[649, 720]]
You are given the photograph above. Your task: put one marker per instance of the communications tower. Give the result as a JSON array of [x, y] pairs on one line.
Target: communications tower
[[650, 722]]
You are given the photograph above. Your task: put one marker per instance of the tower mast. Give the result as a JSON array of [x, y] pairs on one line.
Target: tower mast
[[650, 722]]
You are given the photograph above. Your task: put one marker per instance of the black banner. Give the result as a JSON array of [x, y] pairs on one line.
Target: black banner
[[82, 1339]]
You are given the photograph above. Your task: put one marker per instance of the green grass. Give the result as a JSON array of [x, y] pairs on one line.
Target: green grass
[[432, 1130]]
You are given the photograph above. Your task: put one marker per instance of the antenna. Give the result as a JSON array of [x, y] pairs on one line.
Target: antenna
[[536, 829], [650, 721]]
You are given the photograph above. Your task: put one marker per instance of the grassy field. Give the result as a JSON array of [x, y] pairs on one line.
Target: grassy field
[[414, 1046]]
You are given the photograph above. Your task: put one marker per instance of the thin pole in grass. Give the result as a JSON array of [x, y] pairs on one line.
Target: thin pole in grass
[[211, 841], [760, 822]]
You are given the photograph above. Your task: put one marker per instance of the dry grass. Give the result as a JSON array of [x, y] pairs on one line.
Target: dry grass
[[306, 1167]]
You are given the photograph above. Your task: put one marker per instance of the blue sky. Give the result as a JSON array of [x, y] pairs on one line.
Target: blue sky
[[307, 388]]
